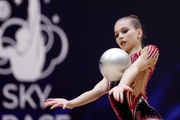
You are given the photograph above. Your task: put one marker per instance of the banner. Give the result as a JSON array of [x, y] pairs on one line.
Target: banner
[[31, 49]]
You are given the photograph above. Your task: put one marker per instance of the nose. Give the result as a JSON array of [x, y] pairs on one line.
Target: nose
[[120, 36]]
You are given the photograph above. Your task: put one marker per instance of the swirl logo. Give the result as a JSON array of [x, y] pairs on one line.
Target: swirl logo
[[34, 38], [5, 10]]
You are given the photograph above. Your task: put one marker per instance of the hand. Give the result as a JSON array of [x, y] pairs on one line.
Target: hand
[[58, 102], [118, 92]]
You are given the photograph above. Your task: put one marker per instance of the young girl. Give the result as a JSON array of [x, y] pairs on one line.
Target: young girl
[[127, 96]]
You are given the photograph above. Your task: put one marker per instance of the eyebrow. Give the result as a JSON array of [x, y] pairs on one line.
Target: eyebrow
[[121, 29]]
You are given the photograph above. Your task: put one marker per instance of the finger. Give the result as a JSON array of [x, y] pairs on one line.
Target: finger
[[121, 97], [64, 106], [49, 103], [44, 105], [110, 92], [55, 106], [50, 99], [127, 88], [116, 96]]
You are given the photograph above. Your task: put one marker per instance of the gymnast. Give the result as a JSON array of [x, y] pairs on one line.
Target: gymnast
[[128, 95]]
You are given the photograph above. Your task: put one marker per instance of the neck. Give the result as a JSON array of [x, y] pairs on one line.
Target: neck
[[135, 49]]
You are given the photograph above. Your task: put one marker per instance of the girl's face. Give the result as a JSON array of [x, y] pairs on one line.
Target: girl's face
[[127, 37]]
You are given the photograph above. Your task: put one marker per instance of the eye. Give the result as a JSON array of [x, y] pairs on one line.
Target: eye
[[116, 35], [125, 31]]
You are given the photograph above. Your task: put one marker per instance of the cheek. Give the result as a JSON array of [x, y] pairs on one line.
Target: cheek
[[131, 36], [117, 41]]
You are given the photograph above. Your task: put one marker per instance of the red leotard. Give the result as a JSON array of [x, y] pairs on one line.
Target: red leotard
[[135, 105]]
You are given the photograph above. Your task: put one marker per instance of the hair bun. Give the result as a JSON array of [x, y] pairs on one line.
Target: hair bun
[[134, 16]]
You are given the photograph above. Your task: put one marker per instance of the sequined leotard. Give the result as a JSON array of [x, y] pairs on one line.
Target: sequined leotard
[[135, 105]]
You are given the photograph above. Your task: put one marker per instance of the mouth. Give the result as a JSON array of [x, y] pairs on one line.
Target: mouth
[[123, 42]]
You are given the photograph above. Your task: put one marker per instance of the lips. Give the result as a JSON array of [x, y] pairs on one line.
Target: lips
[[123, 42]]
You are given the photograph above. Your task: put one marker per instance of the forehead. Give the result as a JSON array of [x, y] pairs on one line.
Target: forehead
[[122, 24]]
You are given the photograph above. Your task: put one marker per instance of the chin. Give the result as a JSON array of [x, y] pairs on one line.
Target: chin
[[124, 49]]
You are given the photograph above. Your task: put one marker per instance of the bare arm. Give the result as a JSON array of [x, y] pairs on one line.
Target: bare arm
[[147, 59], [100, 89]]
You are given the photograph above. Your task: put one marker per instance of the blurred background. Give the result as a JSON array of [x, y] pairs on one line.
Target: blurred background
[[61, 57]]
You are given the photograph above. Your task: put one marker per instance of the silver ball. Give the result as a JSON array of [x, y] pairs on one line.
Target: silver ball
[[113, 62]]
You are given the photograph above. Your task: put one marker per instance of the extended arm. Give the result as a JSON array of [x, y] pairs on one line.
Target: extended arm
[[100, 89]]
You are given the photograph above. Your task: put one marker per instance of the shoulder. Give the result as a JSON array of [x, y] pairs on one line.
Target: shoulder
[[150, 50], [151, 47], [150, 54]]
